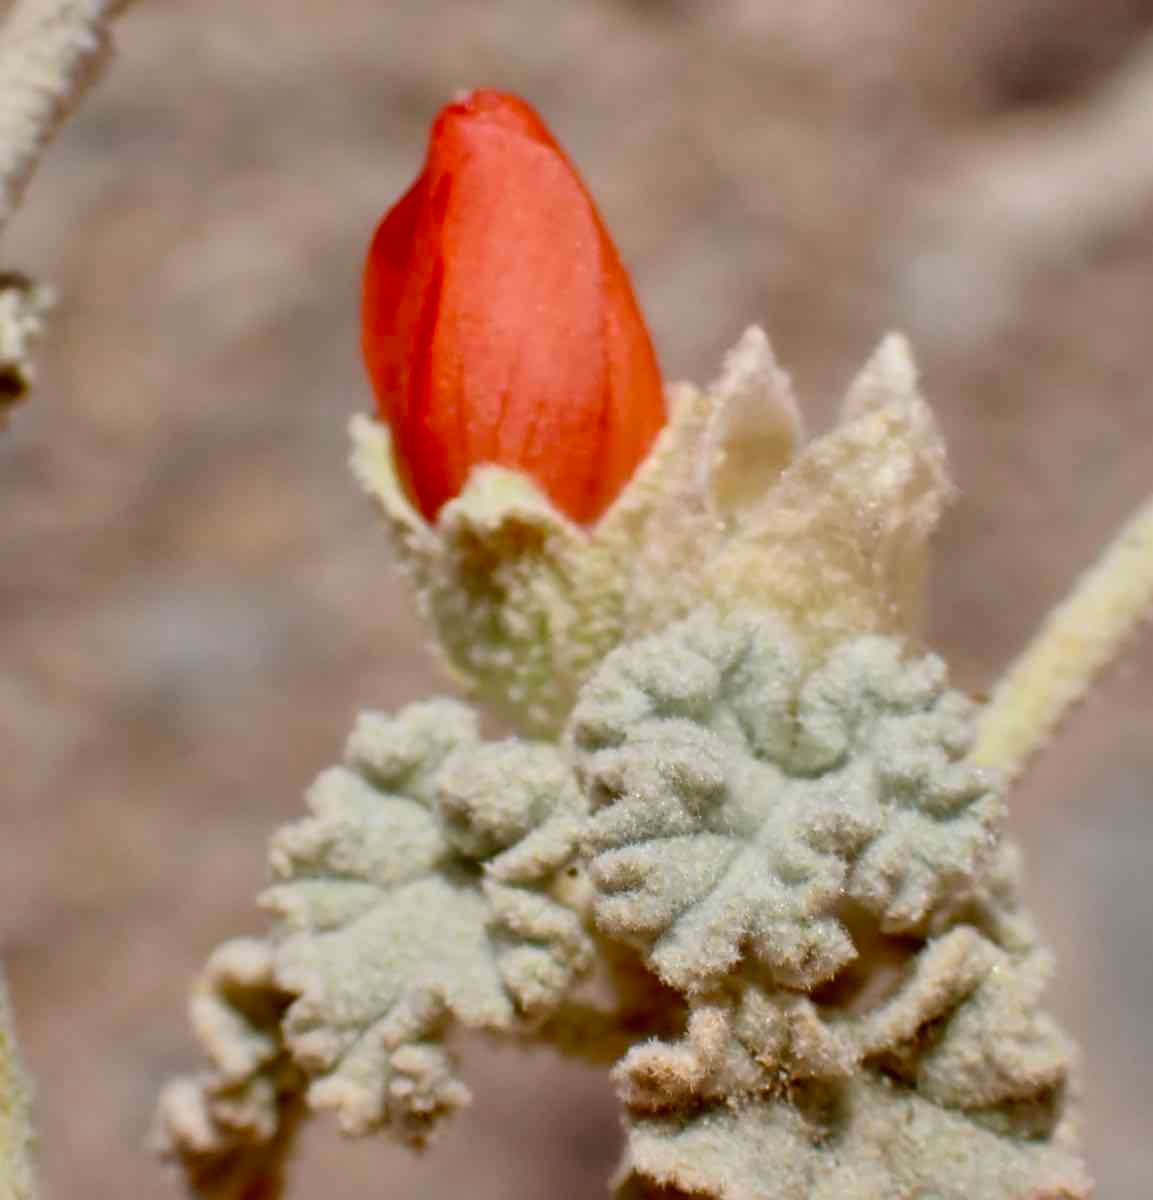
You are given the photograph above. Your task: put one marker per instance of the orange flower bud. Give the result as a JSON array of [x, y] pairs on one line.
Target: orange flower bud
[[499, 325]]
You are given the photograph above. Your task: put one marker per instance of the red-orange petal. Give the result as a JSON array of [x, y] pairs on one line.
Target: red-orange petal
[[499, 325]]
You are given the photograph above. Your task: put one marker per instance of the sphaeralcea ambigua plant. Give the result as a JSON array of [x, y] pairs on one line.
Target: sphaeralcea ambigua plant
[[747, 846]]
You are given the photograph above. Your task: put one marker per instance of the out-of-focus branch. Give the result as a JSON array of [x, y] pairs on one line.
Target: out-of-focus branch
[[50, 51], [1007, 206], [1088, 176]]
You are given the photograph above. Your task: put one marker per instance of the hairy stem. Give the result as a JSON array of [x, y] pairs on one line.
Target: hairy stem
[[1076, 642], [50, 51], [15, 1130]]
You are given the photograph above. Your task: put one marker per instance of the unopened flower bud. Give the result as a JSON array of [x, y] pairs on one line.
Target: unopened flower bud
[[499, 325]]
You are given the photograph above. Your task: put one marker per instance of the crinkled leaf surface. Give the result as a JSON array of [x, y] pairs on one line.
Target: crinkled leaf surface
[[743, 797], [869, 1138], [415, 897], [232, 1128]]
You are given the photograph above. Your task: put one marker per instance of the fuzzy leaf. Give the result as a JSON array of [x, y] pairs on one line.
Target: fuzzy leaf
[[233, 1127], [739, 801], [416, 897], [867, 1138]]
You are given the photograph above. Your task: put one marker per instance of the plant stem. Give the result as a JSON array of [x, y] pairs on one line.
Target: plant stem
[[50, 51], [1077, 641]]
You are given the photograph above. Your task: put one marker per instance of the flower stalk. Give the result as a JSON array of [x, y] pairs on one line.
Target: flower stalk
[[1075, 644]]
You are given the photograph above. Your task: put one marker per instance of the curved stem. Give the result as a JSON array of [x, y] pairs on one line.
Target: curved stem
[[1077, 641]]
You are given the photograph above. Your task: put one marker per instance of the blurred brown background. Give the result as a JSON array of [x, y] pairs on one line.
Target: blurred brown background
[[194, 600]]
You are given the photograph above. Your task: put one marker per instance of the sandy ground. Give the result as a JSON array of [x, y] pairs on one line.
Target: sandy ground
[[194, 600]]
